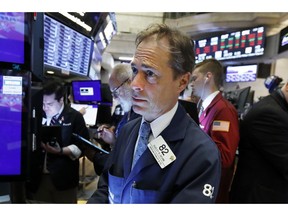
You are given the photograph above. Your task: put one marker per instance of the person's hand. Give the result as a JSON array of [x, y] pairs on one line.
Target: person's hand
[[101, 127], [107, 135], [55, 149], [83, 110]]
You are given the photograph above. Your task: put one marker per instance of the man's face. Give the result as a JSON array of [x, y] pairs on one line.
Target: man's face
[[154, 90], [198, 83], [123, 94], [125, 97], [50, 105]]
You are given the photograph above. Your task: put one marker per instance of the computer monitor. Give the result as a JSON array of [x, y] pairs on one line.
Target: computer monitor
[[14, 124], [239, 98], [15, 40], [250, 98], [86, 91], [245, 43], [65, 49], [283, 40], [241, 73]]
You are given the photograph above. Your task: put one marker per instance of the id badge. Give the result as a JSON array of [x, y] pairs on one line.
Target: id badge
[[161, 152]]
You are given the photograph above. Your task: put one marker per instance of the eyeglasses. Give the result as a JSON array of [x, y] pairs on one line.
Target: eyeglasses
[[114, 93]]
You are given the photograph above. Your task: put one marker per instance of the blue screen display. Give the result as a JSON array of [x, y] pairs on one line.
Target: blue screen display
[[12, 35], [11, 102], [87, 91]]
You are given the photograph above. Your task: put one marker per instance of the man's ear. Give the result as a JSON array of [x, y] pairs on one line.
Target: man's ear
[[184, 81], [61, 100], [208, 76], [286, 87]]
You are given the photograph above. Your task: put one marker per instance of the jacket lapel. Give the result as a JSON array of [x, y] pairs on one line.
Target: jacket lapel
[[129, 151], [172, 133]]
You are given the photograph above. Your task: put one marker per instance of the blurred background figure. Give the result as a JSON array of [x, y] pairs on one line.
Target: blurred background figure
[[119, 83], [56, 178], [218, 118], [262, 172]]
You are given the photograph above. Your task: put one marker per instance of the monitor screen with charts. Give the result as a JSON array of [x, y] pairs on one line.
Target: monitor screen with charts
[[241, 73]]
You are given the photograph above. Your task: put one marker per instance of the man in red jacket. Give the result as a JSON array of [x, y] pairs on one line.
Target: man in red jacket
[[218, 118]]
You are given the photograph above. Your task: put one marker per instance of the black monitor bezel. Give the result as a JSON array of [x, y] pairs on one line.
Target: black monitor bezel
[[283, 33]]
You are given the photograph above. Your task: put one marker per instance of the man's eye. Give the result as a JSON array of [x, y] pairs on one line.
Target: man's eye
[[193, 79], [150, 73], [134, 70]]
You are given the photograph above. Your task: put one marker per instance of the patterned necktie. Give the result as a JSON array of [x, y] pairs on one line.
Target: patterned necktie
[[54, 121], [200, 107], [200, 111], [143, 141]]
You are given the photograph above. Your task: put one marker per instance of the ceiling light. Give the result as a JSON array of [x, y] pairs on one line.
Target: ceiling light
[[50, 72], [77, 20], [125, 58]]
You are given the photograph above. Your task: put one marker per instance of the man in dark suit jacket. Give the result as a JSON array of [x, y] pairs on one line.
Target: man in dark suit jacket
[[181, 164], [262, 170], [55, 176]]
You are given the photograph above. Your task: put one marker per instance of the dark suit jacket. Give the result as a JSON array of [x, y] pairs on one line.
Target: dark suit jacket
[[100, 159], [192, 178], [64, 171], [262, 171]]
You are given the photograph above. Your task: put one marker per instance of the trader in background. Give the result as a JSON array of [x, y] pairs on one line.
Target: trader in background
[[262, 172], [181, 164], [57, 176], [119, 83], [218, 118]]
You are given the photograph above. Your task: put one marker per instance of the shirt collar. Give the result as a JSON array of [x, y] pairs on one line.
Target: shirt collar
[[159, 124], [209, 99], [58, 114], [60, 111]]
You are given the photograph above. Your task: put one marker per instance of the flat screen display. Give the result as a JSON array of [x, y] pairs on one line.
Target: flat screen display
[[86, 91], [242, 73], [234, 45], [14, 45], [283, 40], [65, 48], [14, 94]]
